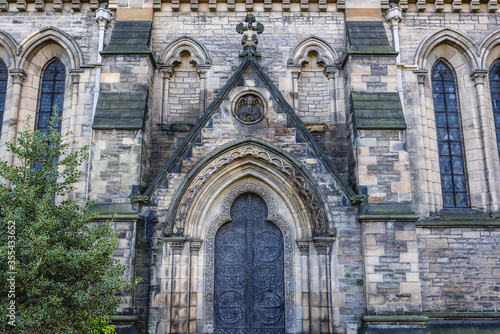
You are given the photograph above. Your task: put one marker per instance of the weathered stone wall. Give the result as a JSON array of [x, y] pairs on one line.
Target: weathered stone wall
[[459, 268], [313, 96], [184, 95], [392, 269]]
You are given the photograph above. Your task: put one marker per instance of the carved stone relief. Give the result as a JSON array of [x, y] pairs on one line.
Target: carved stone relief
[[308, 196]]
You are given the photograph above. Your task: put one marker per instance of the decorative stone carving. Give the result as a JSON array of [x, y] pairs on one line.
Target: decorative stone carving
[[305, 191], [249, 109], [224, 217]]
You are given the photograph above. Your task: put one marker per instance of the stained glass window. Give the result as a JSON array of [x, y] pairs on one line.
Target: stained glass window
[[450, 146], [3, 88], [51, 95], [495, 97]]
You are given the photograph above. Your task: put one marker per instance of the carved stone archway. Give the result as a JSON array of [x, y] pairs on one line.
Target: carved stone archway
[[288, 239]]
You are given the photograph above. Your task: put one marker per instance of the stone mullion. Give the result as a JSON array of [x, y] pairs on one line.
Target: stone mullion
[[330, 74], [306, 284], [12, 114], [194, 247], [489, 172], [423, 128], [167, 73]]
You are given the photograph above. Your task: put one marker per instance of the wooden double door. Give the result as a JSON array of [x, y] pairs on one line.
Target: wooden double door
[[249, 279]]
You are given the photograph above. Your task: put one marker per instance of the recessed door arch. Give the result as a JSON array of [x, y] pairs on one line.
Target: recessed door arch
[[217, 224], [249, 271]]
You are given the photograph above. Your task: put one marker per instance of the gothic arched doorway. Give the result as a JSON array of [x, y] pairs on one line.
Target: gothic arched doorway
[[249, 271]]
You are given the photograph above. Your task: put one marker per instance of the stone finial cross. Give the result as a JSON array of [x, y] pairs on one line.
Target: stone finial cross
[[250, 41]]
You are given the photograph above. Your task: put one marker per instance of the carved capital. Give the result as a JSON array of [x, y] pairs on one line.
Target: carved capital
[[75, 78], [177, 244], [478, 76], [17, 76], [167, 71], [303, 246], [322, 247], [295, 70], [103, 17], [330, 71], [393, 16], [194, 246], [202, 71], [421, 75]]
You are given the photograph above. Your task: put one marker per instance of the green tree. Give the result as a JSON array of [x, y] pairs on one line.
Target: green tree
[[58, 267]]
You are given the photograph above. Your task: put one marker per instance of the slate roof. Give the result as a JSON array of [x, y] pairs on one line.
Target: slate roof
[[129, 37], [368, 37], [377, 111], [293, 119], [120, 110]]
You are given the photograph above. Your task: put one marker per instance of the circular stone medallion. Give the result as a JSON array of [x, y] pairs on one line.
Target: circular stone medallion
[[249, 109]]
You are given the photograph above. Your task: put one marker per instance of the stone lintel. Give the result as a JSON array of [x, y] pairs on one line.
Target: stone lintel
[[117, 211], [395, 318], [462, 315], [387, 212]]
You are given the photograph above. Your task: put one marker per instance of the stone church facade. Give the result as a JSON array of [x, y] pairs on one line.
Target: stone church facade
[[312, 166]]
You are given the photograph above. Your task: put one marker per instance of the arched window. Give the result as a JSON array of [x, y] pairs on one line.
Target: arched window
[[495, 97], [3, 88], [51, 95], [451, 156]]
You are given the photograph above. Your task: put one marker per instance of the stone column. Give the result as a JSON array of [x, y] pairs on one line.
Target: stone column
[[167, 72], [75, 84], [176, 318], [12, 115], [202, 74], [305, 297], [324, 301], [330, 72], [492, 204], [427, 184], [194, 247], [295, 70]]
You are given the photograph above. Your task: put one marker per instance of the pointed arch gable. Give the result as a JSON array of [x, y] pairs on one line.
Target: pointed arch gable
[[290, 170], [38, 40], [326, 56], [455, 39], [172, 54]]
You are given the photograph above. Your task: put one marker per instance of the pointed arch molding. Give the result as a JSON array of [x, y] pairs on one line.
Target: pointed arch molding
[[447, 36], [10, 46], [250, 148], [33, 43], [172, 54], [326, 56]]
